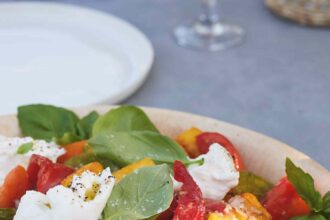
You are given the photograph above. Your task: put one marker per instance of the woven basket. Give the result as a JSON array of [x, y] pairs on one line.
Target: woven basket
[[308, 12]]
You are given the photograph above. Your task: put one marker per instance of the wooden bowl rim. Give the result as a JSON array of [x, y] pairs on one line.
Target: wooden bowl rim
[[262, 154]]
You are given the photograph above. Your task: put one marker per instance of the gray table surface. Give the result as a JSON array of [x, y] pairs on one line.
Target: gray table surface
[[277, 82]]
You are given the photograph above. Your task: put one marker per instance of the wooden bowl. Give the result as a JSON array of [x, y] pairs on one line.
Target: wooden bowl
[[262, 155]]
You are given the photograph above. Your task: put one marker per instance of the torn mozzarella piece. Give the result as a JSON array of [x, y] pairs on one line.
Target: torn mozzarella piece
[[46, 149], [10, 159], [218, 175], [85, 199]]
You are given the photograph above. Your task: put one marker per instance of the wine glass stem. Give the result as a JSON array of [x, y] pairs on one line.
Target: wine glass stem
[[209, 14]]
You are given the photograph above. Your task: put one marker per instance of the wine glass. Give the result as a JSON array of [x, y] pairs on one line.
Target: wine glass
[[208, 32]]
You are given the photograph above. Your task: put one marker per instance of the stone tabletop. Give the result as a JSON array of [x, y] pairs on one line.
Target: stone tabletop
[[277, 82]]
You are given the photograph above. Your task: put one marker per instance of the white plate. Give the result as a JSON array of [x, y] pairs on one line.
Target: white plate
[[68, 55]]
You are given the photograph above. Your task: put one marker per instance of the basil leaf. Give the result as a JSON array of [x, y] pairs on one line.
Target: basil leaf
[[326, 203], [24, 148], [304, 184], [123, 148], [249, 182], [46, 122], [7, 213], [84, 130], [85, 125], [124, 118], [140, 195]]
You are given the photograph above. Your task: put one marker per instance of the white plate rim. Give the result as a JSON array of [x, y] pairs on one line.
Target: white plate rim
[[144, 67]]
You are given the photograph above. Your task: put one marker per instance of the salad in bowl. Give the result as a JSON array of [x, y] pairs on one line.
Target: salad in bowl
[[119, 166]]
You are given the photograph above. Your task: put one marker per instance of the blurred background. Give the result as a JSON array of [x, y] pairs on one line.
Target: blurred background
[[276, 82]]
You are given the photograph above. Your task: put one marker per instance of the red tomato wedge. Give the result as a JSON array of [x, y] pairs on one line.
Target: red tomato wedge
[[44, 174], [72, 150], [14, 187], [34, 167], [205, 139], [191, 205], [283, 201]]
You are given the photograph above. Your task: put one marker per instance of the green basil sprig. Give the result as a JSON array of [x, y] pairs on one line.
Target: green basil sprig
[[86, 124], [304, 185], [124, 118], [123, 148], [126, 134], [52, 123], [141, 194], [120, 137]]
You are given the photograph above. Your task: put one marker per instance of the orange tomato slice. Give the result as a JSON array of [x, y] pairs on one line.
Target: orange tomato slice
[[14, 187], [72, 150]]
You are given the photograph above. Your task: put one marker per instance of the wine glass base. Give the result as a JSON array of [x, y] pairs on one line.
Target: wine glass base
[[213, 37]]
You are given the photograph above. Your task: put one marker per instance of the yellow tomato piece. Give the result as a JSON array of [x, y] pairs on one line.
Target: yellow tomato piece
[[94, 167], [187, 140], [251, 200], [146, 162]]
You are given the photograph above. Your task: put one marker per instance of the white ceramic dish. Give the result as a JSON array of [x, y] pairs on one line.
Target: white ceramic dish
[[262, 155], [57, 53]]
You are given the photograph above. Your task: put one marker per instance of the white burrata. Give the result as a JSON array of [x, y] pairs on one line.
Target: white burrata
[[85, 199], [10, 159], [218, 175], [46, 149]]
